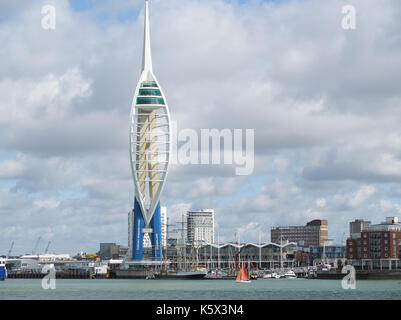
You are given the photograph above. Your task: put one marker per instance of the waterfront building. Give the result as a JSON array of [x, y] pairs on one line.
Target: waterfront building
[[357, 226], [231, 255], [200, 227], [355, 229], [314, 233], [23, 264], [150, 148], [46, 256], [328, 254], [108, 251], [303, 256], [257, 256], [378, 246]]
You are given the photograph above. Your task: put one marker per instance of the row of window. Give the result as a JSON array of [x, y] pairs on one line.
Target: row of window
[[149, 92], [149, 85], [366, 256], [377, 249], [377, 235], [147, 100]]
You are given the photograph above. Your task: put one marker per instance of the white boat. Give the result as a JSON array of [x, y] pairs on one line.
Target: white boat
[[273, 275], [325, 267], [290, 274], [215, 274], [150, 276]]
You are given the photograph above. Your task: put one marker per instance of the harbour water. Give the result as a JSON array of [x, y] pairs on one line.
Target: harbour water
[[119, 289]]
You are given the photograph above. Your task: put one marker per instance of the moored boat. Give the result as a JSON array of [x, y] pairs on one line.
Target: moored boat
[[183, 275], [290, 274]]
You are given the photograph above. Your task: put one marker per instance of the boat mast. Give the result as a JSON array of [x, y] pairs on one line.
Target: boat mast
[[211, 266], [260, 252], [197, 255], [281, 252], [204, 254], [239, 247], [165, 258], [218, 250], [184, 243]]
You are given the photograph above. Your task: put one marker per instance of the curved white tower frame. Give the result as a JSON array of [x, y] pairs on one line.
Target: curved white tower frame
[[150, 135]]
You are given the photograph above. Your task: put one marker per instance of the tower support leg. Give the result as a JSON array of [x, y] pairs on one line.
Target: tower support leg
[[137, 243], [156, 236]]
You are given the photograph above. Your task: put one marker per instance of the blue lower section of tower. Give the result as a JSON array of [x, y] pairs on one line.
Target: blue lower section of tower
[[155, 236], [137, 243]]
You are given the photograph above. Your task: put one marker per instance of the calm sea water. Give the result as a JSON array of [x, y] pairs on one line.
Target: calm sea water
[[282, 289]]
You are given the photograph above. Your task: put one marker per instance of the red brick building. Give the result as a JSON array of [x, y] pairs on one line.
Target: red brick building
[[377, 246]]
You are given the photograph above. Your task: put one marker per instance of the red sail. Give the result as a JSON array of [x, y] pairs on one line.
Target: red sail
[[242, 275], [239, 277]]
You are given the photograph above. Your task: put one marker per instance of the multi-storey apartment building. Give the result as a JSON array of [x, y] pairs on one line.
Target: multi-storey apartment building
[[377, 244], [200, 226], [314, 233]]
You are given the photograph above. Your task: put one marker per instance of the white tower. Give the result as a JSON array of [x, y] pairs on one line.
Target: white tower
[[150, 149]]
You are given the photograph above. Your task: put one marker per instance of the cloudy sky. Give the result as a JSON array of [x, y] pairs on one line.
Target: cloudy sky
[[325, 104]]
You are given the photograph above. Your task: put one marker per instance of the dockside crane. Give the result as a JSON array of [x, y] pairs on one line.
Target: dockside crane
[[342, 238], [36, 245], [11, 248], [47, 247]]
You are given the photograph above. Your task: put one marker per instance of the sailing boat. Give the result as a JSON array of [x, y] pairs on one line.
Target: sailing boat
[[243, 276]]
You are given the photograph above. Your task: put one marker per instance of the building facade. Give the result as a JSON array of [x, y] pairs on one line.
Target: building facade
[[109, 251], [150, 148], [357, 226], [376, 246], [328, 252], [231, 255], [314, 233], [200, 227]]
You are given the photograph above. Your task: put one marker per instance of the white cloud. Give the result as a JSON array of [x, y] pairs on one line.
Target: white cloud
[[47, 204], [321, 202], [355, 199]]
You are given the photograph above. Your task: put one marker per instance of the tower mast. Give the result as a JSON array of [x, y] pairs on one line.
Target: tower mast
[[147, 53]]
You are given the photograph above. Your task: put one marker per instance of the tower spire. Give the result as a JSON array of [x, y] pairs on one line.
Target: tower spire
[[147, 55]]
